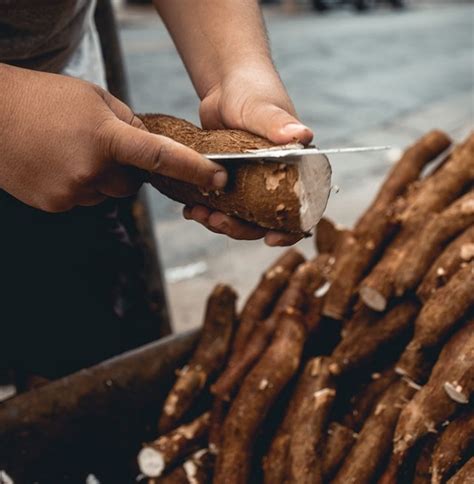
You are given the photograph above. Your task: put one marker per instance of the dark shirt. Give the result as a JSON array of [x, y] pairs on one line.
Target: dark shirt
[[41, 34], [68, 281]]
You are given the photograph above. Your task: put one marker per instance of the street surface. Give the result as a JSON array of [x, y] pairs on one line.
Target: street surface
[[381, 78]]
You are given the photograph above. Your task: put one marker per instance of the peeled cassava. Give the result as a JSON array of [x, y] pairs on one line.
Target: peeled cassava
[[273, 195]]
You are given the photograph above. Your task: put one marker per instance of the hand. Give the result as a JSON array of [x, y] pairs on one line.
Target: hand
[[66, 142], [253, 99]]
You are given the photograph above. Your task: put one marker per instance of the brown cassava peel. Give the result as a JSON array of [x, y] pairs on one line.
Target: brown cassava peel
[[273, 195]]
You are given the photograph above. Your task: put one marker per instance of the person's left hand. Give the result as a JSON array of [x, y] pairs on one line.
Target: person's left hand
[[252, 99]]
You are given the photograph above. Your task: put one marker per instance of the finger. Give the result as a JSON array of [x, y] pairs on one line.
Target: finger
[[220, 223], [121, 110], [209, 113], [92, 200], [200, 215], [235, 228], [158, 154], [88, 197], [274, 239], [276, 124], [121, 181]]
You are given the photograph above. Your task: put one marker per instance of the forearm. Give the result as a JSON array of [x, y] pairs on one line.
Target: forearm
[[214, 37]]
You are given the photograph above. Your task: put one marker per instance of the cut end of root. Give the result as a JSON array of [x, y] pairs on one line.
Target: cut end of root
[[373, 299], [455, 392], [312, 188], [151, 462]]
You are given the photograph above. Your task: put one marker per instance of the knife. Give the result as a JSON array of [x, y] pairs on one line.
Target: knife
[[288, 153]]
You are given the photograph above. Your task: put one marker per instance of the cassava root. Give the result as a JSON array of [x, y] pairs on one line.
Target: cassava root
[[285, 197], [376, 226], [260, 302], [162, 453], [304, 281], [431, 196], [454, 444], [457, 253], [258, 392], [357, 400], [431, 406], [308, 430], [436, 319], [208, 359]]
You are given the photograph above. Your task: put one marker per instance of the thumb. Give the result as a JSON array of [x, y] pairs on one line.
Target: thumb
[[132, 146], [276, 124]]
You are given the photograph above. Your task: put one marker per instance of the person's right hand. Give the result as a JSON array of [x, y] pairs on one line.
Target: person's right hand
[[66, 142]]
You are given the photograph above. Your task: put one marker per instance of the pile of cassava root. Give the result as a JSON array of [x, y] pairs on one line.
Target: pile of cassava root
[[356, 366]]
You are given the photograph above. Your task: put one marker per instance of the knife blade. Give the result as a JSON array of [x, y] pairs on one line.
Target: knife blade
[[289, 154]]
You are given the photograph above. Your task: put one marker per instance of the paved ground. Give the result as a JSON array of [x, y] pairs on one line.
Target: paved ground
[[381, 78]]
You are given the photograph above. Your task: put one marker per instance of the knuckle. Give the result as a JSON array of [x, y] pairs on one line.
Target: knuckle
[[136, 122], [158, 156], [83, 175], [61, 202], [149, 153], [105, 135]]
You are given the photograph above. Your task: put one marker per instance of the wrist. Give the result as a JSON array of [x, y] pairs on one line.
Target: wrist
[[252, 71], [8, 100]]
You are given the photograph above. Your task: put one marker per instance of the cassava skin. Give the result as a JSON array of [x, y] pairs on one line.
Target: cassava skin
[[304, 281], [308, 430], [258, 320], [452, 447], [437, 232], [361, 344], [362, 404], [339, 441], [376, 289], [422, 472], [158, 456], [362, 316], [207, 360], [327, 236], [256, 396], [197, 469], [218, 413], [431, 195], [465, 475], [375, 227], [457, 253], [405, 171], [275, 462], [445, 185], [289, 198], [313, 314], [374, 442], [432, 406], [346, 248], [259, 304], [436, 319]]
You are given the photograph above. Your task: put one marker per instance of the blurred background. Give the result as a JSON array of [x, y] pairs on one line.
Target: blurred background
[[360, 72]]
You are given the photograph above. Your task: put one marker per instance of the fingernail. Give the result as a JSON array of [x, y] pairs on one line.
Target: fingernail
[[217, 221], [186, 213], [273, 240], [292, 127], [220, 179]]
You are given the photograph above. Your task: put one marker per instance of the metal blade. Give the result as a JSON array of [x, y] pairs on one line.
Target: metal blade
[[290, 153]]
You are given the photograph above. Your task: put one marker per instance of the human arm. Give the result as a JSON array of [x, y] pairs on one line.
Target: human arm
[[225, 50], [66, 142]]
